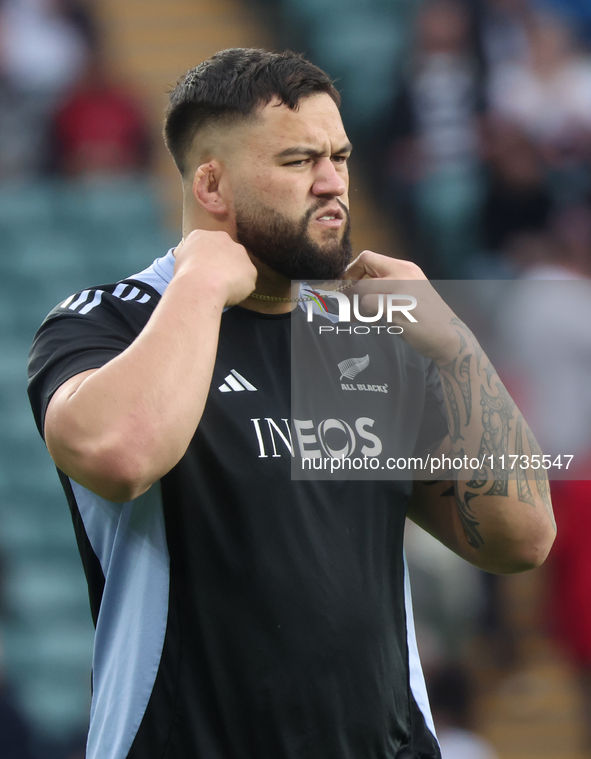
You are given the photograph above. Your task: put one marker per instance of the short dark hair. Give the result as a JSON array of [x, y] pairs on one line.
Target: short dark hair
[[230, 85]]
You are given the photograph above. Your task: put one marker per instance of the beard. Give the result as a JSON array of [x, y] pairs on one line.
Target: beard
[[286, 246]]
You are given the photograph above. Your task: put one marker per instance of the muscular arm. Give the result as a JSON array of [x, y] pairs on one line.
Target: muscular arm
[[498, 519], [495, 517], [118, 429]]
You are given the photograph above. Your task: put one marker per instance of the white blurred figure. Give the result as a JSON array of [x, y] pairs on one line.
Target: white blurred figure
[[457, 743], [549, 94], [41, 49], [549, 97], [42, 53]]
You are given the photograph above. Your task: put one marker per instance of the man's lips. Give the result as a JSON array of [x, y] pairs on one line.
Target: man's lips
[[332, 217]]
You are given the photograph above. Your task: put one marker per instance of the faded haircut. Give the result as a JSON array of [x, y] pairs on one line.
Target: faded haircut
[[230, 86]]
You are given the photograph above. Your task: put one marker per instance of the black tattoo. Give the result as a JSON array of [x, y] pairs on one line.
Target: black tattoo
[[490, 371], [449, 368], [523, 489], [463, 343], [497, 412], [468, 520], [479, 479], [467, 516], [466, 385], [477, 349], [453, 410], [541, 478]]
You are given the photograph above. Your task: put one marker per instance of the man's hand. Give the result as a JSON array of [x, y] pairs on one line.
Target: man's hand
[[215, 258], [432, 334]]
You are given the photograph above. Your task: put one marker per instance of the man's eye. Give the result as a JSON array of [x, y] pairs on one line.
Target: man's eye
[[340, 158], [299, 162]]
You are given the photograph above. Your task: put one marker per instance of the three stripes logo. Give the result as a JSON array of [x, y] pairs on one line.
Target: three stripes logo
[[351, 367], [82, 303], [235, 382]]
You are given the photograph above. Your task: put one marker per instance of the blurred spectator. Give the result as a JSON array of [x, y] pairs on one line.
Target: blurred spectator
[[503, 31], [100, 129], [452, 700], [42, 51], [79, 14], [445, 619], [548, 95], [518, 199], [434, 172], [562, 251]]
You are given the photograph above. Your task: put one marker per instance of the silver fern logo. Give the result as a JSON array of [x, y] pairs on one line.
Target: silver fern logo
[[351, 367]]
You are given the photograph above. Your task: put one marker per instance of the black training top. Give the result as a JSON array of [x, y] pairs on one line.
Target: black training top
[[240, 613]]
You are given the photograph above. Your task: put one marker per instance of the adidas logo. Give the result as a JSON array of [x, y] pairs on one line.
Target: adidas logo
[[83, 305], [235, 382]]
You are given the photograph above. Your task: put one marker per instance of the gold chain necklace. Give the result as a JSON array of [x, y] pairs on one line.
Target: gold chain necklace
[[277, 299]]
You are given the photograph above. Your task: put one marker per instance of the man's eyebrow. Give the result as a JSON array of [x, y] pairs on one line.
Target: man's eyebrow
[[311, 152]]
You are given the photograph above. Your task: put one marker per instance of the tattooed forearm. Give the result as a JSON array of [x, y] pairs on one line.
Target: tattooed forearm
[[491, 438]]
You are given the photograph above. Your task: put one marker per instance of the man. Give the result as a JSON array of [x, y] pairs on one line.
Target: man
[[239, 613]]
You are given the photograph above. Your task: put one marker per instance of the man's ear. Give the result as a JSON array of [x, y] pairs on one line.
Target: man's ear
[[206, 188]]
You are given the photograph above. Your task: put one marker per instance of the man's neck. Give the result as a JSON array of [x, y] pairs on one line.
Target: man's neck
[[277, 293]]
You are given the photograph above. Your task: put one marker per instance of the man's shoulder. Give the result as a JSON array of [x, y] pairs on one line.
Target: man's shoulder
[[133, 298], [115, 296]]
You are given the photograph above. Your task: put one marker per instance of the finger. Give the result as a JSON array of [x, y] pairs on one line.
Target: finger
[[376, 266], [367, 264]]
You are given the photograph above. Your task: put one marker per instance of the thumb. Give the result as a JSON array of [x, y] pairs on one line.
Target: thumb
[[369, 264]]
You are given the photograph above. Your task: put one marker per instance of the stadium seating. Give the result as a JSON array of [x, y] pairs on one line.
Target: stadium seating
[[56, 239]]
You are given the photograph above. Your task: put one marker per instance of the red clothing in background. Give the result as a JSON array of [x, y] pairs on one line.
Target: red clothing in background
[[570, 569], [100, 130]]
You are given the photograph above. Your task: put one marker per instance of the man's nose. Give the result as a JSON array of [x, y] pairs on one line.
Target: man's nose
[[328, 179]]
